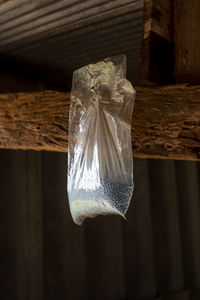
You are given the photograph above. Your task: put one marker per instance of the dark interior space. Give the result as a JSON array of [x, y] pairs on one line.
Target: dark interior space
[[155, 253], [44, 255], [47, 42]]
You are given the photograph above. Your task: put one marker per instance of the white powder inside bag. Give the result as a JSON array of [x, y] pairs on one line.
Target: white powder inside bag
[[81, 210]]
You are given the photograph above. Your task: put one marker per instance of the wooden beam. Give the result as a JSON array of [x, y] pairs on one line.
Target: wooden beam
[[157, 46], [157, 18], [166, 122], [187, 41]]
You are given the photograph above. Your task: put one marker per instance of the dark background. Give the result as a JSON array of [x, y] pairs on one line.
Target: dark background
[[44, 255], [155, 254]]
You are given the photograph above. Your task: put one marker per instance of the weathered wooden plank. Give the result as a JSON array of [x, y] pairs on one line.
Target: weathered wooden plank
[[157, 18], [186, 41], [157, 47], [146, 41], [166, 122], [162, 19]]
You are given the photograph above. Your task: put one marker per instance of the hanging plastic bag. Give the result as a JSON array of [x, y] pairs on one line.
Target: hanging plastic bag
[[100, 165]]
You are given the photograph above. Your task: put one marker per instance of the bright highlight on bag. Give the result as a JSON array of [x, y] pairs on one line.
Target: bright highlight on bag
[[100, 164]]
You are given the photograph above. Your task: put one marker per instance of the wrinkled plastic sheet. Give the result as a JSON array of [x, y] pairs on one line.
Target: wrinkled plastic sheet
[[100, 166]]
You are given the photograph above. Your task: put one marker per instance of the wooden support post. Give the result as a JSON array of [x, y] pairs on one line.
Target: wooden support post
[[187, 41], [187, 69], [157, 46], [166, 122]]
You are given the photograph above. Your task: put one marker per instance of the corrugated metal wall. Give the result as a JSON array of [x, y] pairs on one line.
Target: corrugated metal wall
[[44, 255]]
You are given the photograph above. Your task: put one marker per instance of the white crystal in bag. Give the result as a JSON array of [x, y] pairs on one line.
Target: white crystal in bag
[[100, 164]]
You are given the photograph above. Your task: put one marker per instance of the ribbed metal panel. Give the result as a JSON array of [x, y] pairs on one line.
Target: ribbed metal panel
[[41, 38], [44, 255]]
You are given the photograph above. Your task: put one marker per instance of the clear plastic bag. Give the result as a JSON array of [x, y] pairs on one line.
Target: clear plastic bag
[[100, 164]]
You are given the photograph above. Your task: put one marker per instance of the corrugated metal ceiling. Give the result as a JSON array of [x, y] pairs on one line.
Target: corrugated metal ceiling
[[49, 39]]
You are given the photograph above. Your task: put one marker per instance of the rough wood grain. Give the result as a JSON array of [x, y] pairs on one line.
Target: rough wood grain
[[166, 122], [146, 41], [157, 48], [187, 41], [157, 18]]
